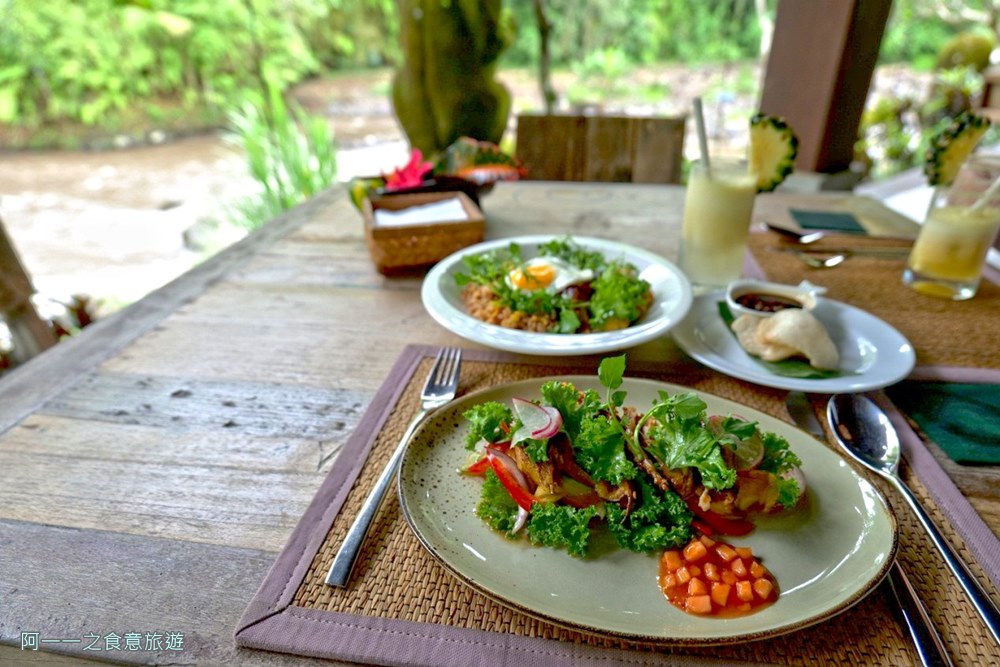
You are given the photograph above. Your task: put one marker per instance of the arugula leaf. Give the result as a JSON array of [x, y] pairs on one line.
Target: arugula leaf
[[495, 506], [561, 526], [611, 371], [680, 440], [658, 521], [793, 368], [600, 450], [484, 423], [619, 294], [566, 250]]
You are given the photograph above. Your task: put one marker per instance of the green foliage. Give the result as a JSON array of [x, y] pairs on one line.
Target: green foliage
[[643, 31], [290, 154], [97, 61]]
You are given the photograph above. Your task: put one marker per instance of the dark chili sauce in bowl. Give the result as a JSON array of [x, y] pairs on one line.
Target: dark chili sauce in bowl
[[766, 303]]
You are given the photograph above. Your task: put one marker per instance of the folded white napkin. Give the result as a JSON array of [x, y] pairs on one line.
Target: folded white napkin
[[446, 210]]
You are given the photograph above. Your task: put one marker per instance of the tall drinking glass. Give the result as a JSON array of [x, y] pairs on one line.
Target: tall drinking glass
[[948, 256], [716, 222]]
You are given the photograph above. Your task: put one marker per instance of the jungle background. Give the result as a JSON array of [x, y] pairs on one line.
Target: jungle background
[[138, 137]]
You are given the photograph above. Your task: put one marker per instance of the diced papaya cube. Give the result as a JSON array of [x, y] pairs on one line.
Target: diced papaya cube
[[744, 607], [763, 588], [695, 551], [694, 570], [720, 594], [726, 552], [672, 559], [698, 604], [728, 577], [697, 587], [757, 570], [711, 571], [707, 541], [744, 590], [669, 581], [738, 568], [683, 575], [745, 552]]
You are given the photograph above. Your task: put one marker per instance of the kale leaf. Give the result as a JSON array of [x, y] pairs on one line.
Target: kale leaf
[[561, 526], [484, 423], [495, 506], [660, 520]]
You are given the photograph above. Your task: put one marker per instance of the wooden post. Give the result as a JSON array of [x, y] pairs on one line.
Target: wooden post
[[819, 72], [618, 149], [30, 333]]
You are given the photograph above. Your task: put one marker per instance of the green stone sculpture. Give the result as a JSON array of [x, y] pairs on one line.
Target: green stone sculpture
[[446, 86]]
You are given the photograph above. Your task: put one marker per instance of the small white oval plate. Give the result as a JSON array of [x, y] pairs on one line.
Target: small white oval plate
[[826, 556], [874, 353], [672, 298]]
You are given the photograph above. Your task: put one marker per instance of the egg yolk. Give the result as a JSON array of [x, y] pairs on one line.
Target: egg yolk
[[533, 277]]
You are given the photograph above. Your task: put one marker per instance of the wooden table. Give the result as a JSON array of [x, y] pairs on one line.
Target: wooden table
[[152, 467]]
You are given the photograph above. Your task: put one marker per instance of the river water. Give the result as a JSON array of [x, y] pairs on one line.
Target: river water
[[111, 224]]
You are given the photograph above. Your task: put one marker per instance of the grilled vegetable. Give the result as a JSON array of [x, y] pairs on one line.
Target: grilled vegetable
[[950, 147], [773, 147]]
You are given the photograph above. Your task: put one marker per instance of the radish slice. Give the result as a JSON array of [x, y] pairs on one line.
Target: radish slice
[[537, 422], [554, 425]]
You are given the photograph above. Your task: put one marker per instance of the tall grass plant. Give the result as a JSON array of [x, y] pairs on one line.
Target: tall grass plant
[[289, 153]]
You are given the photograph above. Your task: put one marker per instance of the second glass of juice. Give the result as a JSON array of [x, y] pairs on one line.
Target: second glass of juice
[[948, 256], [716, 222]]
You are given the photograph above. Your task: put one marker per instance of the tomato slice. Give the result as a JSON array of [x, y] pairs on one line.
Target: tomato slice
[[511, 478], [718, 523]]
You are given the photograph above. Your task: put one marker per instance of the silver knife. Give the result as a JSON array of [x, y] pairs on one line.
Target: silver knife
[[925, 636]]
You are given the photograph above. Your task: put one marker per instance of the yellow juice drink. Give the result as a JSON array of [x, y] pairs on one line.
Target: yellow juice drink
[[948, 255], [716, 222]]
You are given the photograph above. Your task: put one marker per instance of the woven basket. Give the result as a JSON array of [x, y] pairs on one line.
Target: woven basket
[[402, 248]]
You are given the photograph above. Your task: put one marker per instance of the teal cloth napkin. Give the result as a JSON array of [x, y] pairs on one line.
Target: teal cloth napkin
[[962, 419], [827, 220]]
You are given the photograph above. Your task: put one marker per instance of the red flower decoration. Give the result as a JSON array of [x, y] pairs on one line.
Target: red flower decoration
[[411, 175]]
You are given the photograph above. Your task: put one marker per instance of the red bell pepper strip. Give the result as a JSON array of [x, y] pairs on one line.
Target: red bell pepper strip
[[719, 523], [511, 478]]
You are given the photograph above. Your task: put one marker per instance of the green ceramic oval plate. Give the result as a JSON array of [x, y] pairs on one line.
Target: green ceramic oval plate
[[826, 555]]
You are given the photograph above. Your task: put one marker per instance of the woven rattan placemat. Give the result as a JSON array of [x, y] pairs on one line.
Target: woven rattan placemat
[[943, 332], [401, 601]]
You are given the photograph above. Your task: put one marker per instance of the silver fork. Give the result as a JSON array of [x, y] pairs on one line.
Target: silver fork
[[440, 389]]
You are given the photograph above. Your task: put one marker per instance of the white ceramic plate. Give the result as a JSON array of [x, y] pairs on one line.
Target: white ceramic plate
[[671, 293], [872, 353], [826, 556]]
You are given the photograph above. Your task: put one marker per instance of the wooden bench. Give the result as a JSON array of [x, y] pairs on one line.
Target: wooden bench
[[623, 149], [29, 332]]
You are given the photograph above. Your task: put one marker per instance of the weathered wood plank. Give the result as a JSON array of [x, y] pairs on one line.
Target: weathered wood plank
[[181, 404], [27, 386], [106, 582], [66, 438]]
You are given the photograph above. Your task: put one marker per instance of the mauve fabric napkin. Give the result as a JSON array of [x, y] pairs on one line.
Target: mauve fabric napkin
[[827, 220], [962, 419]]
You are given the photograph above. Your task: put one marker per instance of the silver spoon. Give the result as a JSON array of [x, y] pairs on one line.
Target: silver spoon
[[804, 238], [865, 432], [821, 261]]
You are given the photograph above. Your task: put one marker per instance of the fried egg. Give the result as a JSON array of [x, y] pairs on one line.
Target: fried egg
[[547, 273]]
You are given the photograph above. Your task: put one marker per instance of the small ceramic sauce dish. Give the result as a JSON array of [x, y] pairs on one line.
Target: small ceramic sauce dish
[[763, 299]]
